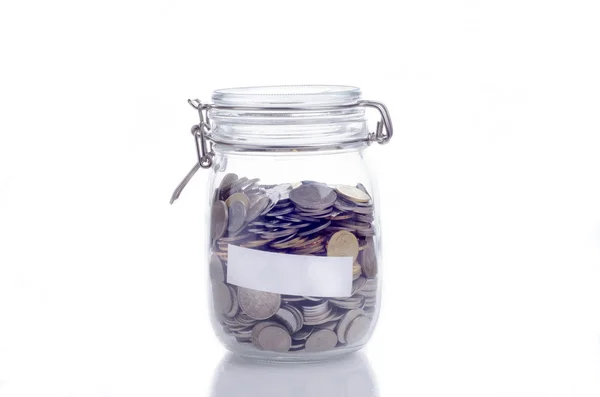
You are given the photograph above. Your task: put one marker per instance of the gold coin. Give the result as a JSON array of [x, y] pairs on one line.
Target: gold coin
[[356, 271], [238, 197], [352, 193], [288, 244], [343, 243], [255, 243]]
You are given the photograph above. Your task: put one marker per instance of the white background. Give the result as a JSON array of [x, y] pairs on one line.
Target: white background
[[490, 187]]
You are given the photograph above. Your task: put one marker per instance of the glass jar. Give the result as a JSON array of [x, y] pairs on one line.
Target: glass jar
[[294, 244]]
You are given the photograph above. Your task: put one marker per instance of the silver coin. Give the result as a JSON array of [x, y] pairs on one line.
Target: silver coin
[[304, 333], [276, 212], [315, 230], [368, 259], [321, 340], [355, 302], [227, 181], [243, 319], [283, 187], [314, 213], [355, 225], [275, 338], [259, 305], [235, 185], [257, 329], [358, 284], [288, 218], [297, 346], [273, 199], [216, 269], [363, 188], [317, 309], [234, 302], [328, 325], [257, 208], [364, 218], [222, 299], [246, 185], [298, 225], [293, 298], [357, 329], [287, 318], [352, 193], [366, 233], [218, 220], [318, 320], [237, 215], [278, 234], [299, 317], [313, 196], [243, 334], [344, 205], [345, 322]]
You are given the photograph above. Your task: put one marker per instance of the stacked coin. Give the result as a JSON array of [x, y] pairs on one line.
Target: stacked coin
[[305, 218]]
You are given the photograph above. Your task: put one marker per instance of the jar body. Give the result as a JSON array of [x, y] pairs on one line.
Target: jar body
[[293, 252]]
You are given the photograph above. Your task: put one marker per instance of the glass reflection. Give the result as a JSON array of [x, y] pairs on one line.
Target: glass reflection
[[349, 376]]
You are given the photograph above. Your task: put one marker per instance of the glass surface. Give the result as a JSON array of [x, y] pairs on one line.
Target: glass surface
[[289, 95], [289, 225], [350, 376]]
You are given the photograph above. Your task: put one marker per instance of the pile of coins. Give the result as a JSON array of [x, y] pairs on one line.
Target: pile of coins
[[306, 218]]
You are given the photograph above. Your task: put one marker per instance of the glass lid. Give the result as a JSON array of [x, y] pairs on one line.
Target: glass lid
[[288, 96]]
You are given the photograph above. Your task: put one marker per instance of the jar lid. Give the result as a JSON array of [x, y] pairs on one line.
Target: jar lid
[[288, 96], [289, 118]]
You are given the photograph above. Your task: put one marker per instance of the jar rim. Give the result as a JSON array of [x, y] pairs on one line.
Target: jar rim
[[291, 96]]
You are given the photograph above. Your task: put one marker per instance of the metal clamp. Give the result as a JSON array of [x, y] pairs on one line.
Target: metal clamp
[[382, 135], [386, 121]]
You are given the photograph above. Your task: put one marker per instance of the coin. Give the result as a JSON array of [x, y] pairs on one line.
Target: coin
[[356, 270], [363, 188], [255, 243], [231, 239], [227, 181], [222, 299], [234, 302], [313, 196], [368, 260], [237, 215], [304, 333], [256, 208], [321, 340], [238, 197], [357, 329], [343, 243], [273, 199], [308, 218], [275, 338], [315, 230], [352, 193], [257, 329], [218, 219], [287, 317], [345, 322], [259, 305], [358, 284], [216, 268]]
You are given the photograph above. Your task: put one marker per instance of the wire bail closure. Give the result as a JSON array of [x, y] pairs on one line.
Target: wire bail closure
[[382, 135]]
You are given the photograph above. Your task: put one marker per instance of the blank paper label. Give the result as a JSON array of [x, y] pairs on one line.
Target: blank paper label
[[319, 276]]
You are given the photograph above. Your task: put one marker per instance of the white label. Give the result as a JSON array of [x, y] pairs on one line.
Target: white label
[[319, 276]]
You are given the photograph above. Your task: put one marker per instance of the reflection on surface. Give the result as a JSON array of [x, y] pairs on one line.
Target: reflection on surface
[[349, 376]]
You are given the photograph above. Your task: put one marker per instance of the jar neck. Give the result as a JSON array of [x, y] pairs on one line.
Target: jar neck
[[291, 129]]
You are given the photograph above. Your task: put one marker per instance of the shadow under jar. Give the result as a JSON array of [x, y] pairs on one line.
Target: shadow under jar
[[294, 243]]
